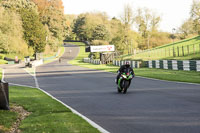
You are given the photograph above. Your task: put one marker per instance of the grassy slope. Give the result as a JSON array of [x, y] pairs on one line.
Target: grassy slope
[[171, 75], [157, 56]]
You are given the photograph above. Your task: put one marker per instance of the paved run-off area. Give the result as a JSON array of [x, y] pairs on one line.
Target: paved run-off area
[[150, 106]]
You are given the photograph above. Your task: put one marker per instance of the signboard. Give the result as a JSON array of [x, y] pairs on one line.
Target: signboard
[[102, 48]]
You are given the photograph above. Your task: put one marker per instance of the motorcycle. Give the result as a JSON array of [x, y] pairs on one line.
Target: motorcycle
[[124, 82]]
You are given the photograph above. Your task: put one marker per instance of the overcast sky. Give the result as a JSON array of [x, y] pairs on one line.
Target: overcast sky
[[172, 12]]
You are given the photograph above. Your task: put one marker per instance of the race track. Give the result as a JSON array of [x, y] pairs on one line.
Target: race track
[[150, 106]]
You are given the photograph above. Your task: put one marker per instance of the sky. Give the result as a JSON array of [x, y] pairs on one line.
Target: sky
[[173, 12]]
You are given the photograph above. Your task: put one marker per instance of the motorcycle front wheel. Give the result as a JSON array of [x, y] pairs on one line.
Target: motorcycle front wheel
[[125, 86], [119, 90]]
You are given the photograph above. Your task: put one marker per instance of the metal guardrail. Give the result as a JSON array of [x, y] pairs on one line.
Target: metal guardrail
[[187, 65]]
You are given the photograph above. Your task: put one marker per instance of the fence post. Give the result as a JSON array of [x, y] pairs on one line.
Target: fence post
[[174, 55], [178, 50], [199, 47], [193, 49], [188, 49], [182, 50]]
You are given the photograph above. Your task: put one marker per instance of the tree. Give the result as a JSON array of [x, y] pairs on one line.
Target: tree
[[100, 33], [69, 27], [195, 15], [79, 28], [34, 31], [147, 23], [11, 33], [127, 20], [51, 14], [186, 28], [85, 24], [18, 5]]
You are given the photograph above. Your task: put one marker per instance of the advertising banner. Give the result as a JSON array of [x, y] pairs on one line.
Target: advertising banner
[[102, 48]]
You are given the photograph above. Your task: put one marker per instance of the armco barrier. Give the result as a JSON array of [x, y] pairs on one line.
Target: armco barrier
[[186, 65], [37, 62], [198, 65], [93, 61]]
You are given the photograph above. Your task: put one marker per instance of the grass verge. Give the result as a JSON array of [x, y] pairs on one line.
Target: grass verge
[[170, 75], [47, 115]]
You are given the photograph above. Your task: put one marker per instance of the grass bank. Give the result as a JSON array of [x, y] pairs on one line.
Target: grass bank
[[47, 115], [180, 50], [170, 75]]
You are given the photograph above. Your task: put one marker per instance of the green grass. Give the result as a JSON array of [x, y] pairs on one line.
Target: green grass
[[171, 75], [185, 49], [47, 115], [7, 119]]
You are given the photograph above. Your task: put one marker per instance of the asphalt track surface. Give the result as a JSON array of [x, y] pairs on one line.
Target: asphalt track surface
[[150, 106]]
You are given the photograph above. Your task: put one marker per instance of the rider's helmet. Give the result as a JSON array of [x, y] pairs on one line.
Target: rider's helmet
[[127, 64]]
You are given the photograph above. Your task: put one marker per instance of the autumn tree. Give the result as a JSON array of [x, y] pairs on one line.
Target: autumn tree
[[127, 21], [195, 15], [147, 23], [69, 35], [52, 17], [117, 34], [186, 28]]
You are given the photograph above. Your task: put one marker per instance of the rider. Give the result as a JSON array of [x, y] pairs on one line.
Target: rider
[[123, 69]]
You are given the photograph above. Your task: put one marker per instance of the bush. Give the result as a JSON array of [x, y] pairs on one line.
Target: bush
[[2, 56]]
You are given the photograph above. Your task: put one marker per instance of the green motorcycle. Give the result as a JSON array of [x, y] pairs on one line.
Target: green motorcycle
[[124, 82]]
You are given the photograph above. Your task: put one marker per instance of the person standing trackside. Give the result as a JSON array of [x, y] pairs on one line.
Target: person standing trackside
[[60, 60]]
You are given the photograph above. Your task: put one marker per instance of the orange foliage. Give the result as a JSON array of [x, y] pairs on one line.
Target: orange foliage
[[44, 4]]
